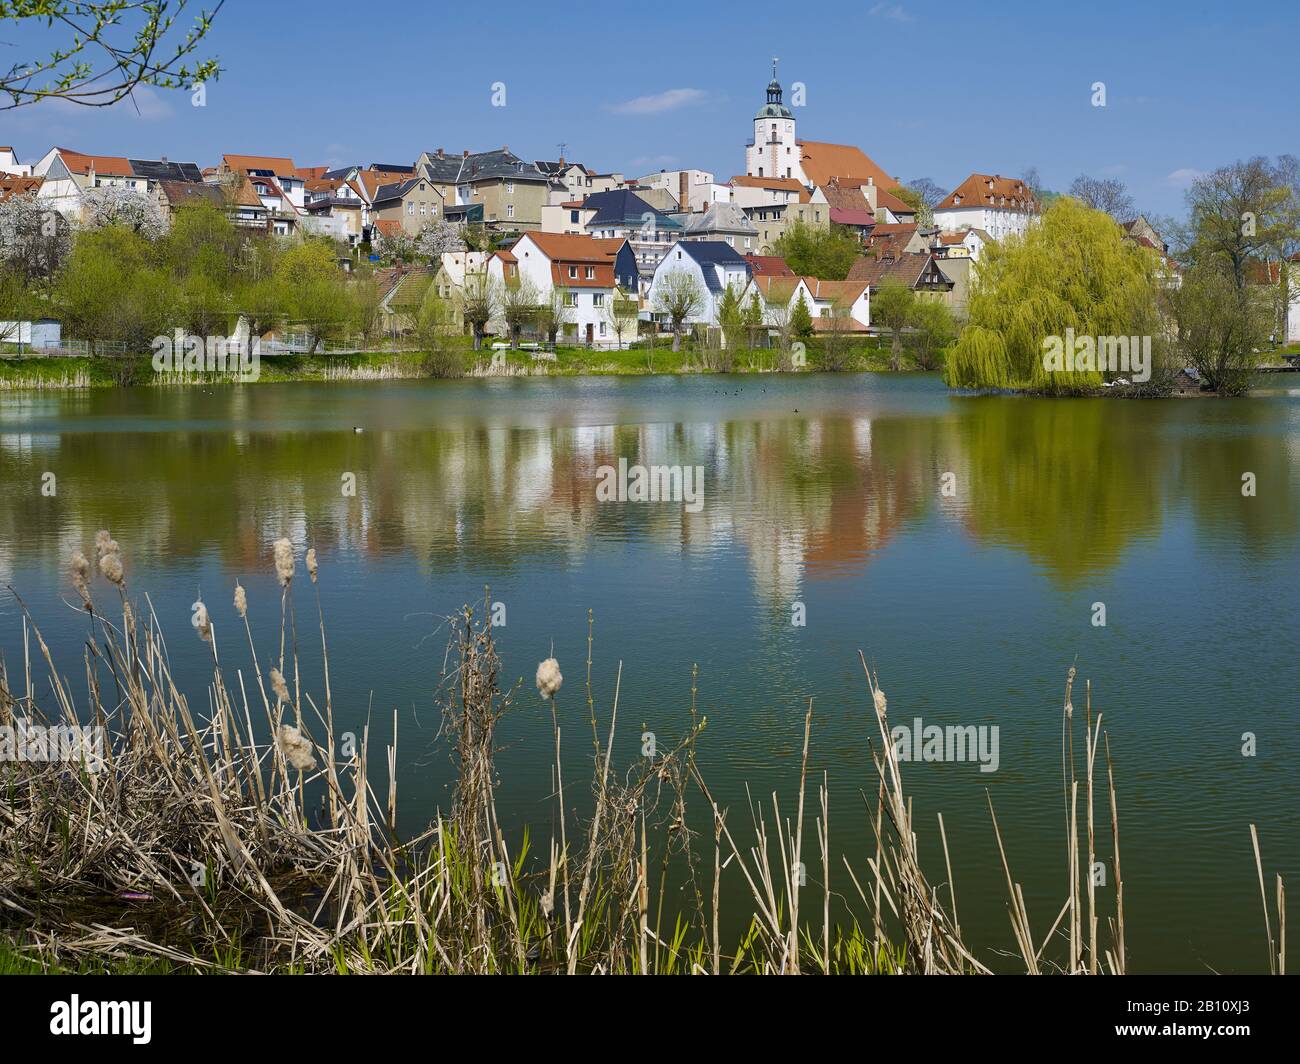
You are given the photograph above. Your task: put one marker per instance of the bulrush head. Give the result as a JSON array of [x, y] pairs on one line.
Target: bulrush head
[[283, 560], [296, 747], [311, 563], [549, 678], [241, 600], [278, 685], [81, 577]]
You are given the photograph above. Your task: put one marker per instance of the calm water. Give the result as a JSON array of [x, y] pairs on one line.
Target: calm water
[[819, 490]]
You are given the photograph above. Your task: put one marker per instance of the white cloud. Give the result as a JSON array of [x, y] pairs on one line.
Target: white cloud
[[660, 102], [148, 104], [1183, 177], [893, 12]]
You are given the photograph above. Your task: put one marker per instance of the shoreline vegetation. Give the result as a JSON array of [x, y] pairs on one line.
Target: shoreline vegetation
[[196, 846]]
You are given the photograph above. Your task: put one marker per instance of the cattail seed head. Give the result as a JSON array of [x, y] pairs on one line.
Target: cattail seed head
[[104, 544], [881, 703], [278, 685], [241, 600], [81, 576], [311, 563], [284, 561], [110, 564], [296, 747], [200, 621], [549, 678]]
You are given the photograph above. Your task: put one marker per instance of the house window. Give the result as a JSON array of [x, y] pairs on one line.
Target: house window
[[410, 209], [510, 187], [602, 328], [570, 299], [573, 273], [423, 208], [591, 273], [510, 210], [573, 217], [598, 299]]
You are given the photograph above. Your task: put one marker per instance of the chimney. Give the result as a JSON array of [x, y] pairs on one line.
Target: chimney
[[440, 154], [465, 154], [163, 159], [683, 192]]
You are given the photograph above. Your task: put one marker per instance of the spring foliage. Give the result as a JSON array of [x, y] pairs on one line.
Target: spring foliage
[[1072, 270]]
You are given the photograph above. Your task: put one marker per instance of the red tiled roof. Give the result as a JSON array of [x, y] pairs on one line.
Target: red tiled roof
[[843, 162], [990, 190], [768, 266]]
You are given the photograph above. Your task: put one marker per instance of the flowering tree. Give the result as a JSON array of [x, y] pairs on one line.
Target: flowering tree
[[117, 205], [35, 240], [436, 239]]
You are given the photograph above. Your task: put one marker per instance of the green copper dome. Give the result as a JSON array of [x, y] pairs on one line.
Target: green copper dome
[[774, 108]]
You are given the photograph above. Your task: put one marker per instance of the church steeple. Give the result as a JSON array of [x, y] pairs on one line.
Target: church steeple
[[774, 107], [774, 87]]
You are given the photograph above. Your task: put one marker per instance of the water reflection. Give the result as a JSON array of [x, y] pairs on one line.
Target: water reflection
[[1071, 485]]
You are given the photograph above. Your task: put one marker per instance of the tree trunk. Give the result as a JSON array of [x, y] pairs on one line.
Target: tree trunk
[[677, 339], [896, 352]]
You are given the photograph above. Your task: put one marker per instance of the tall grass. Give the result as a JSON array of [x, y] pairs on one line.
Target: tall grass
[[199, 846]]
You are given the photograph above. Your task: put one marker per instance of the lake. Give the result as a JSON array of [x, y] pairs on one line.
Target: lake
[[826, 496]]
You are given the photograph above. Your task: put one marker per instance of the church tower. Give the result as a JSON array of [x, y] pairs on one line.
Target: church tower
[[774, 151]]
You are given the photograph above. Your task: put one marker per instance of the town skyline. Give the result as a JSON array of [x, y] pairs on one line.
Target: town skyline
[[693, 108]]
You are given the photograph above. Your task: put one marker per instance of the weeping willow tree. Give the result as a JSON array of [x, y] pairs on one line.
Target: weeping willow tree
[[1071, 271]]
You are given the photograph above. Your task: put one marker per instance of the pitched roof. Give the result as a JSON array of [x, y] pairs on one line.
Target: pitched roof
[[775, 286], [501, 164], [844, 292], [991, 190], [13, 185], [179, 193], [768, 266], [621, 207], [885, 198], [888, 239], [571, 247], [276, 164], [822, 161], [311, 173], [845, 216], [165, 170], [394, 192], [779, 184], [907, 268], [108, 165], [387, 226], [719, 217], [712, 253]]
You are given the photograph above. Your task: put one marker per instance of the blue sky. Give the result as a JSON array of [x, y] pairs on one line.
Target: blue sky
[[934, 89]]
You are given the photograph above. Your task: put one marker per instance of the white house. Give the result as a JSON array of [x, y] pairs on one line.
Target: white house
[[1001, 206], [716, 266], [827, 300], [9, 164], [589, 271]]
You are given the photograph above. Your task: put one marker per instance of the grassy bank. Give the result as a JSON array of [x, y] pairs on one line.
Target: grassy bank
[[48, 372], [246, 836]]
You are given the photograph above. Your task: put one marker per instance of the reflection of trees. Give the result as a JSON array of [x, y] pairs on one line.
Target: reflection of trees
[[1234, 437], [1069, 483]]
